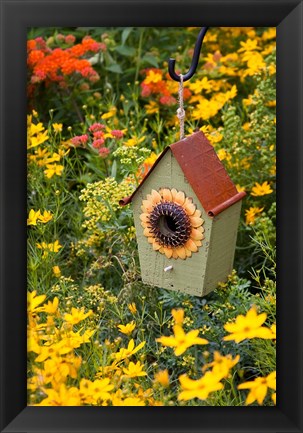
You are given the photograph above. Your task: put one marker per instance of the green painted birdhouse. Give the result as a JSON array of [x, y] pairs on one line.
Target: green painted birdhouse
[[186, 212]]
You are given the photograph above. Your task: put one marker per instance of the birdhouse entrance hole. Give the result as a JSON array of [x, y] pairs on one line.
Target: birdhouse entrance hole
[[167, 225]]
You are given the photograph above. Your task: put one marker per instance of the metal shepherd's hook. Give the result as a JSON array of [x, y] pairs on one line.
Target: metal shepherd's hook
[[195, 59]]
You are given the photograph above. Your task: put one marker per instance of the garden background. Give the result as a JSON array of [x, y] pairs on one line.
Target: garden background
[[101, 108]]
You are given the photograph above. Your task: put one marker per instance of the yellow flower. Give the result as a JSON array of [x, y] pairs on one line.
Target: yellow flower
[[249, 45], [134, 370], [109, 114], [200, 85], [240, 188], [128, 328], [221, 365], [200, 388], [92, 392], [258, 388], [134, 141], [153, 77], [178, 316], [248, 326], [33, 301], [56, 271], [152, 107], [33, 217], [132, 308], [131, 350], [52, 247], [51, 307], [263, 189], [53, 169], [162, 377], [273, 396], [129, 401], [57, 127], [34, 141], [171, 223], [45, 217], [62, 397], [223, 154], [251, 214], [76, 316], [181, 341]]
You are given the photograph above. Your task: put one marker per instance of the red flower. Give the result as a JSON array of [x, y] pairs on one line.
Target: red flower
[[97, 144], [117, 133], [103, 152]]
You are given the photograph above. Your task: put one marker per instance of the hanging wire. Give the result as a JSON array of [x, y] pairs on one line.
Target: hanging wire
[[195, 59]]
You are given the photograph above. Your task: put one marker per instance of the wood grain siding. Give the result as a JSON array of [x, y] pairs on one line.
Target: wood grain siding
[[222, 247], [187, 275]]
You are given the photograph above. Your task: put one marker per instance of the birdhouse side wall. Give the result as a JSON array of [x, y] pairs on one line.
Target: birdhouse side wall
[[222, 247], [187, 275]]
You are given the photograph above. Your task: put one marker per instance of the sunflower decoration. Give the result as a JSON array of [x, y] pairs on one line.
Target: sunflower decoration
[[172, 223]]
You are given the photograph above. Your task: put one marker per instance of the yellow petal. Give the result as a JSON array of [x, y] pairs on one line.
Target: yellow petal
[[168, 252], [143, 224], [147, 206], [196, 235], [144, 217], [156, 246], [147, 232], [190, 245], [175, 255], [173, 193], [195, 221], [189, 206], [201, 229], [198, 243], [198, 213], [151, 240], [180, 198], [156, 197], [181, 253], [166, 194], [187, 252]]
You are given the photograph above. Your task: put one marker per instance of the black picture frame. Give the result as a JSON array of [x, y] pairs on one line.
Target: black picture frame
[[16, 16]]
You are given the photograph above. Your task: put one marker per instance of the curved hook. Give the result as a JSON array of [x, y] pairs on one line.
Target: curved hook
[[195, 59]]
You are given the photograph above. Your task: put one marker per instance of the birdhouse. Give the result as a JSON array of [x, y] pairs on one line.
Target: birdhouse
[[186, 212]]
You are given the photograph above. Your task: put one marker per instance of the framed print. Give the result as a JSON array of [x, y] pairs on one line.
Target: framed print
[[146, 273]]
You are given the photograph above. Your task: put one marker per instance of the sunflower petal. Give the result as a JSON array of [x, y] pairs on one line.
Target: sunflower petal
[[151, 239], [175, 255], [187, 252], [156, 246], [147, 232], [189, 206], [195, 221], [168, 252], [190, 245], [180, 198], [144, 217], [166, 194], [173, 193], [198, 243], [156, 197], [196, 235], [198, 213], [181, 253], [147, 206]]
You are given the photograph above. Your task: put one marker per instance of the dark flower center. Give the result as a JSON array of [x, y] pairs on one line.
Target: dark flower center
[[170, 224]]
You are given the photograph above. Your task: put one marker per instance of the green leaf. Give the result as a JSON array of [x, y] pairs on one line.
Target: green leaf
[[114, 68], [148, 58], [125, 51], [114, 169], [125, 34]]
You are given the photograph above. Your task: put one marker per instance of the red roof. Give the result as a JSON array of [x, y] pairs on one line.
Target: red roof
[[204, 171]]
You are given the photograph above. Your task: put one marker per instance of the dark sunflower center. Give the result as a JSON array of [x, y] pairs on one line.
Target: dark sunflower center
[[170, 224]]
